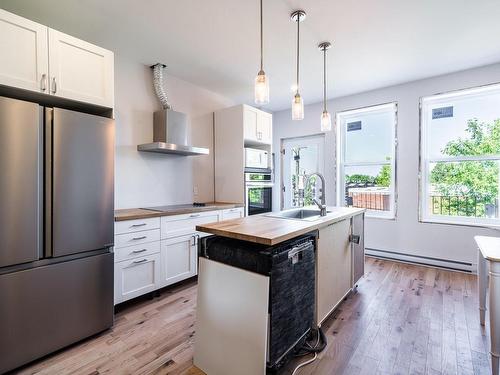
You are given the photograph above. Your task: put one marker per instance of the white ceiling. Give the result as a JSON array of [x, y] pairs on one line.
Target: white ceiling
[[215, 44]]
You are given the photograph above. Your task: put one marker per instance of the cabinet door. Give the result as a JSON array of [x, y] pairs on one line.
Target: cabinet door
[[136, 277], [178, 259], [80, 70], [24, 56], [264, 127], [333, 259], [358, 249], [250, 120]]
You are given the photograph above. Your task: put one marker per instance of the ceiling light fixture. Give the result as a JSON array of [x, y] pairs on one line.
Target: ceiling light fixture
[[326, 121], [297, 102], [261, 81]]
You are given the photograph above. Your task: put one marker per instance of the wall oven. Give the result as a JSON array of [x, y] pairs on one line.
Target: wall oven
[[258, 193]]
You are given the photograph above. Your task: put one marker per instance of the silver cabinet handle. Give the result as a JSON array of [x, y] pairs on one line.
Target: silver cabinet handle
[[195, 215], [139, 251], [54, 85], [137, 225], [193, 240], [139, 261], [43, 82], [139, 238]]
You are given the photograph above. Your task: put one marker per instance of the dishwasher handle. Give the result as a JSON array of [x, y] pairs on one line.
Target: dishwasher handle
[[294, 253]]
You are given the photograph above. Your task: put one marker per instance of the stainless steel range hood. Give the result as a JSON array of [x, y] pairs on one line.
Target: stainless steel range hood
[[170, 135]]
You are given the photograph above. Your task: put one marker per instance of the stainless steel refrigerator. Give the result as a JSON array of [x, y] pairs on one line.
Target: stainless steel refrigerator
[[56, 229]]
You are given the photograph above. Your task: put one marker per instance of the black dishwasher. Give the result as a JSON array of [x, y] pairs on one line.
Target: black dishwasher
[[291, 268]]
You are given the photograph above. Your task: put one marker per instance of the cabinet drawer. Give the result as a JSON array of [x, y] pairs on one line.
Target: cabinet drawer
[[136, 238], [179, 225], [129, 226], [232, 213], [140, 250], [136, 277]]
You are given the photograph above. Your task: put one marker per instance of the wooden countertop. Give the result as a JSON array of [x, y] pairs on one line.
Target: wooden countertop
[[269, 230], [144, 213], [489, 246]]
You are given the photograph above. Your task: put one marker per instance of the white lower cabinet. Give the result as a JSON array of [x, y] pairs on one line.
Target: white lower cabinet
[[153, 253], [137, 276], [178, 259], [333, 267]]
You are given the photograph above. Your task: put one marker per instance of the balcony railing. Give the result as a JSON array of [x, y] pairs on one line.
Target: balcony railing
[[463, 205]]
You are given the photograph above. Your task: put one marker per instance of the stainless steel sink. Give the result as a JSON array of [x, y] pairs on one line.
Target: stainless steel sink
[[299, 214]]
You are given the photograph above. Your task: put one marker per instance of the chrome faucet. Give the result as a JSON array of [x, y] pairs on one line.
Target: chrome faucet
[[321, 204]]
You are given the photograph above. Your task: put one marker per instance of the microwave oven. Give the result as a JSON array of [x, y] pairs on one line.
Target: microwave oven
[[255, 158]]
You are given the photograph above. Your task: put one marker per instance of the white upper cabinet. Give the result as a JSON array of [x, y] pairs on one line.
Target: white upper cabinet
[[80, 70], [37, 58], [258, 125], [250, 116], [24, 56], [265, 127]]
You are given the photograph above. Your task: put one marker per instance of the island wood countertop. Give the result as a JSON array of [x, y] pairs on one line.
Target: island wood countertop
[[269, 230], [178, 209]]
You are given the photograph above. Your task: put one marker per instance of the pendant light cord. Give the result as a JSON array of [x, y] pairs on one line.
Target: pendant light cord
[[298, 50], [324, 79], [261, 39]]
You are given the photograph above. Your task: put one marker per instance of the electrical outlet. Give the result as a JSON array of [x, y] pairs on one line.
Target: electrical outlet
[[195, 190]]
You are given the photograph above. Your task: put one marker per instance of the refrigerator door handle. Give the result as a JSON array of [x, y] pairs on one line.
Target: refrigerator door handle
[[48, 181]]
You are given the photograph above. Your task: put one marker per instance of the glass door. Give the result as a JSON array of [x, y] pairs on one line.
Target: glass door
[[301, 157]]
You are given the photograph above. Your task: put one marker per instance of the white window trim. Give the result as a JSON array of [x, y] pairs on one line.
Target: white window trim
[[424, 162], [341, 164]]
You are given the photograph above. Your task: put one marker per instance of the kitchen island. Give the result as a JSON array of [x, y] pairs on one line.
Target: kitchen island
[[236, 293]]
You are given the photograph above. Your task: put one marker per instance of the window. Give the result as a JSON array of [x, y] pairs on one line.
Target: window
[[459, 156], [366, 157]]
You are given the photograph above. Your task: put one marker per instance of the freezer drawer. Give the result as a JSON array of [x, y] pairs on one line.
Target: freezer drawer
[[46, 308]]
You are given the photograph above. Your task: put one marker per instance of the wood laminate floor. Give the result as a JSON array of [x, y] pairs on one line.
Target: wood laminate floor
[[404, 319]]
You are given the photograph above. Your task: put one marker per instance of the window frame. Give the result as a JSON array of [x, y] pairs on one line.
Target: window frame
[[341, 164], [424, 160]]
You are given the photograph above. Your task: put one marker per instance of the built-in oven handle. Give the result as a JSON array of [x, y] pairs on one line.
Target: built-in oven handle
[[259, 184]]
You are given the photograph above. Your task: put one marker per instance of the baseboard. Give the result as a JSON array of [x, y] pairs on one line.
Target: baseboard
[[422, 260]]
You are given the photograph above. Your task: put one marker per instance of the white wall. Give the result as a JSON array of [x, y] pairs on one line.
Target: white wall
[[404, 234], [145, 179]]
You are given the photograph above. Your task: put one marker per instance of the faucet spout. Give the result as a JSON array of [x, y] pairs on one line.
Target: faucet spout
[[321, 204]]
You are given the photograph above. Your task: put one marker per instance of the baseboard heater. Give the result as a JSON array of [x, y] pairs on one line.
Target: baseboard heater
[[422, 260]]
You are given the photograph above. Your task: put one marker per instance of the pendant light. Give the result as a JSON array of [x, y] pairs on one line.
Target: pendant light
[[261, 81], [297, 102], [326, 121]]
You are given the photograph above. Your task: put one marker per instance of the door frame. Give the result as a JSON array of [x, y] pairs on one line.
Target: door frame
[[282, 164]]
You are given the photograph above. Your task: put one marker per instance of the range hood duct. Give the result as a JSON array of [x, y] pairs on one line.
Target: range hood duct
[[169, 126], [158, 85]]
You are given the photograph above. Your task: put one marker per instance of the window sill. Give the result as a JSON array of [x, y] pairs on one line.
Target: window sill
[[463, 223]]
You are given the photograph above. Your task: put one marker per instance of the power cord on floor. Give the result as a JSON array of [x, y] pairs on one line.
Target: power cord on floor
[[308, 349], [305, 363]]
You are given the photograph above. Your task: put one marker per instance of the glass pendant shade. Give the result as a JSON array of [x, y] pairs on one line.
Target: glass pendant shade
[[261, 88], [326, 122], [297, 107]]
